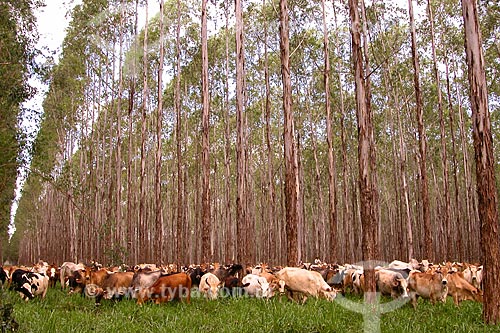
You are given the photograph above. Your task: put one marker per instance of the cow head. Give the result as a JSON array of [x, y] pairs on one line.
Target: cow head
[[401, 285]]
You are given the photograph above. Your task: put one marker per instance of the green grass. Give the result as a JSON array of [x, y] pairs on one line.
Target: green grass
[[60, 312]]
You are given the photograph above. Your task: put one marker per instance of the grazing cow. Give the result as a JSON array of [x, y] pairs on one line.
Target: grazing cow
[[257, 286], [67, 269], [30, 284], [53, 274], [144, 279], [353, 280], [473, 274], [210, 285], [391, 283], [223, 272], [195, 273], [461, 290], [77, 282], [307, 283], [114, 286], [233, 286], [166, 288], [429, 285]]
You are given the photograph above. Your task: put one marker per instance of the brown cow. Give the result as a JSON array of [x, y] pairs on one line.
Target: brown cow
[[460, 289], [433, 286], [166, 288], [114, 285]]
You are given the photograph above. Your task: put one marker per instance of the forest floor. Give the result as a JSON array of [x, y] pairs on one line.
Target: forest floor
[[60, 312]]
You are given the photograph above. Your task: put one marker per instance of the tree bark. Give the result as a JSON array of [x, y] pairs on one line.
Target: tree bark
[[365, 148], [428, 242], [332, 195], [290, 152], [241, 196], [180, 259], [205, 159], [485, 164]]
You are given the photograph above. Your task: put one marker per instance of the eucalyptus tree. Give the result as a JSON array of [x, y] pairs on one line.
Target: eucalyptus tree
[[19, 35], [367, 186], [485, 162]]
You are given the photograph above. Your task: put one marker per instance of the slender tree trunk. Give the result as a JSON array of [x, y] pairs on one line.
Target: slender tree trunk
[[458, 202], [143, 183], [241, 196], [271, 191], [230, 244], [180, 174], [158, 256], [291, 170], [365, 147], [428, 242], [205, 159], [485, 164], [449, 244], [332, 200]]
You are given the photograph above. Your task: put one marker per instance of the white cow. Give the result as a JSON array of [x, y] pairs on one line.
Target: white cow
[[474, 274], [307, 283], [210, 285], [257, 286]]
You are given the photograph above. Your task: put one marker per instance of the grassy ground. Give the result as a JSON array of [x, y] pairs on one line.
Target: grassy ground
[[60, 312]]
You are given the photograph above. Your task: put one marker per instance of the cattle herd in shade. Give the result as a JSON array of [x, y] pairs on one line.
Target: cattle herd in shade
[[160, 284]]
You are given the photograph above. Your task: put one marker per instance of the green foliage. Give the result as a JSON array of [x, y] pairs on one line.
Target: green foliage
[[62, 313]]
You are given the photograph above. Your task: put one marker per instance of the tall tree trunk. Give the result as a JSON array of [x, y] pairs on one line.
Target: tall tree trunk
[[449, 244], [180, 259], [205, 159], [158, 256], [118, 199], [458, 202], [485, 164], [143, 184], [291, 169], [332, 200], [428, 242], [230, 244], [365, 147], [271, 191], [241, 196]]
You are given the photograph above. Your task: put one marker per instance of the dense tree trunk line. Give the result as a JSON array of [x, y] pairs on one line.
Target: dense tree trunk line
[[175, 204]]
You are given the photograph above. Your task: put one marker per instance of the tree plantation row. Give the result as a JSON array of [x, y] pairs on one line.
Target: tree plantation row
[[255, 131]]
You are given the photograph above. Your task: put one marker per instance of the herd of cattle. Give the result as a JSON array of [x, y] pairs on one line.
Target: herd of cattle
[[148, 282]]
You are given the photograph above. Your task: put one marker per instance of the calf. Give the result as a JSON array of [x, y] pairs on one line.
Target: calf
[[307, 283], [53, 274], [460, 289], [391, 283], [433, 286], [30, 284], [166, 288], [210, 285]]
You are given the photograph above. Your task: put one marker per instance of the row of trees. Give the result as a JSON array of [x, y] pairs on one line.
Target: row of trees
[[18, 36], [139, 158]]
